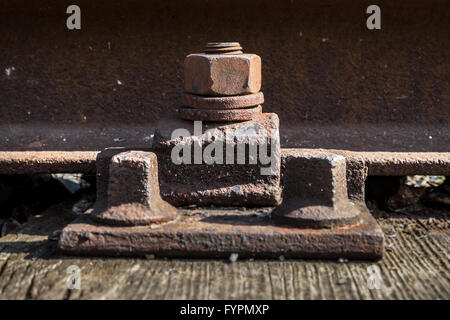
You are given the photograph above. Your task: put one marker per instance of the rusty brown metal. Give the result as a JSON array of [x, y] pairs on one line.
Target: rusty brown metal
[[133, 196], [378, 98], [243, 114], [221, 184], [315, 191], [222, 85], [127, 187], [375, 163], [128, 191], [337, 86], [223, 48], [25, 162], [208, 233], [227, 73], [233, 102]]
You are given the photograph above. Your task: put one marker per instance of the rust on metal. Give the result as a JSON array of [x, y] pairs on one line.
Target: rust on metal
[[217, 234], [375, 163], [222, 85], [224, 184], [243, 114], [133, 196], [25, 162], [331, 89], [223, 48], [315, 191], [315, 218], [312, 85], [232, 102], [222, 74]]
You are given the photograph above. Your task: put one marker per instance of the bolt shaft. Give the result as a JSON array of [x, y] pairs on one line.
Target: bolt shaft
[[223, 48]]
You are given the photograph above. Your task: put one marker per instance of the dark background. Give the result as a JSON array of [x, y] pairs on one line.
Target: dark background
[[321, 66]]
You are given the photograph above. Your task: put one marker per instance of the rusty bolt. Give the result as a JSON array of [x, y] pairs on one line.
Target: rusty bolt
[[233, 102], [223, 70], [223, 48]]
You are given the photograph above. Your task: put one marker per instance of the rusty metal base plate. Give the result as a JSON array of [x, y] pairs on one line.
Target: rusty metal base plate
[[219, 233]]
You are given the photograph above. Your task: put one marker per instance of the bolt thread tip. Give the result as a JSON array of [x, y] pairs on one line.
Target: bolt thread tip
[[223, 48]]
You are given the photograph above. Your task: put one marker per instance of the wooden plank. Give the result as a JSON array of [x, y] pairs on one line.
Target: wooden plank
[[32, 268]]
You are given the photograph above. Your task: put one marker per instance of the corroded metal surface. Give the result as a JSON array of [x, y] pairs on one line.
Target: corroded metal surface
[[388, 141], [233, 102], [376, 163], [333, 87], [133, 196], [22, 162], [335, 73], [223, 48], [221, 233], [415, 267], [317, 77], [315, 191], [243, 114], [222, 85], [128, 196], [408, 163], [222, 74], [219, 183]]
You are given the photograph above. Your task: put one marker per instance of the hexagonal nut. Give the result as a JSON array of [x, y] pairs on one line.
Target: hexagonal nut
[[222, 75]]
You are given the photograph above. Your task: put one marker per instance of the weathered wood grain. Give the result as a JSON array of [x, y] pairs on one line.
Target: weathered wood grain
[[32, 268]]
